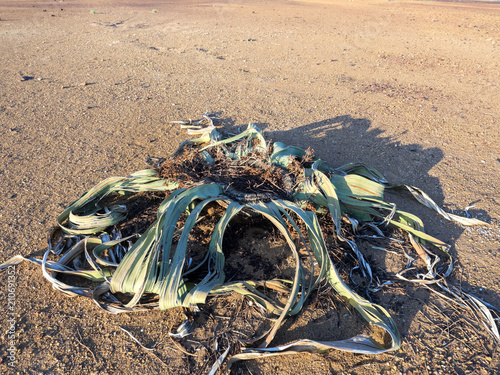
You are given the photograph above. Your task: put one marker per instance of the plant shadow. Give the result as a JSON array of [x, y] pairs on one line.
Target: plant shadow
[[345, 139]]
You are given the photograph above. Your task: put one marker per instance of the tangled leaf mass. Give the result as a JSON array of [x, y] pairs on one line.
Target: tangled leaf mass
[[245, 175]]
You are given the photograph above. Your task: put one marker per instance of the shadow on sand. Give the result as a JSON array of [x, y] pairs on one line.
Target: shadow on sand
[[344, 139]]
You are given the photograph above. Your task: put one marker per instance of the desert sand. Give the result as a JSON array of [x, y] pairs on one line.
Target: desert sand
[[89, 90]]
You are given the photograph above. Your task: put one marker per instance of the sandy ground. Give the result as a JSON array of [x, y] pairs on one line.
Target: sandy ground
[[411, 88]]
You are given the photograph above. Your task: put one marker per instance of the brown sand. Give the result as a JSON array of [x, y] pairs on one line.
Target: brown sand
[[411, 88]]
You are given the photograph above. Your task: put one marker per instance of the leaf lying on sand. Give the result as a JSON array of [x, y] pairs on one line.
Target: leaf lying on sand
[[246, 177]]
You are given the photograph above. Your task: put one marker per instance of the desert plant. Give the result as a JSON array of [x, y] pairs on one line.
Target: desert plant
[[245, 175]]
